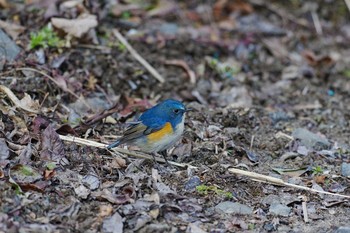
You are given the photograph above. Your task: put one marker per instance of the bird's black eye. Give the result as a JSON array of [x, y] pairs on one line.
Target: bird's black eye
[[176, 111]]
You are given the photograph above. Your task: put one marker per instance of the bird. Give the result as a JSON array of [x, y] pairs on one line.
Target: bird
[[157, 129]]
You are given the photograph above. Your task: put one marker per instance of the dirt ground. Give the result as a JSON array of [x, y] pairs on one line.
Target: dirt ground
[[269, 85]]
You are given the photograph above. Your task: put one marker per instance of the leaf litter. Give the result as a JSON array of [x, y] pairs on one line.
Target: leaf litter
[[267, 98]]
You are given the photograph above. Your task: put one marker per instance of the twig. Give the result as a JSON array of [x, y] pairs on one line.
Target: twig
[[54, 81], [277, 181], [252, 142], [317, 23], [120, 150], [137, 56], [15, 100], [306, 216]]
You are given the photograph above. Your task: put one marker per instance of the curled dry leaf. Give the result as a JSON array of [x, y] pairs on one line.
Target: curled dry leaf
[[106, 195], [29, 103], [26, 103], [129, 191], [76, 27]]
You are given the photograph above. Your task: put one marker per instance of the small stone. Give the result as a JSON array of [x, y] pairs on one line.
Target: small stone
[[345, 169], [192, 183], [311, 140], [228, 207], [9, 50], [280, 210], [271, 199]]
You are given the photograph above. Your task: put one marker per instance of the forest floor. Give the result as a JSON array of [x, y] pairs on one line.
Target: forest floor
[[269, 85]]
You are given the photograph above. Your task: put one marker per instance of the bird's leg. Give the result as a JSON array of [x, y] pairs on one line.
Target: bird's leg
[[164, 154]]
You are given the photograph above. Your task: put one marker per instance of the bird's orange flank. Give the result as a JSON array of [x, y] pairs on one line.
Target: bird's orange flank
[[158, 135]]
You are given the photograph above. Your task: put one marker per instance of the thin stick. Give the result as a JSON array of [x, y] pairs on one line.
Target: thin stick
[[252, 142], [277, 181], [317, 23], [306, 216], [54, 81], [137, 56], [120, 150]]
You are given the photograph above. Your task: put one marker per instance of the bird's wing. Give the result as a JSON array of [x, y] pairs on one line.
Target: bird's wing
[[143, 128]]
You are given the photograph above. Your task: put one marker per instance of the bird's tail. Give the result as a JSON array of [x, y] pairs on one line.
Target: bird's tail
[[114, 144]]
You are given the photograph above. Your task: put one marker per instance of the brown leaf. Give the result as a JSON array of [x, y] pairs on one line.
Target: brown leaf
[[38, 124], [118, 163], [76, 27], [48, 174], [223, 8], [105, 194], [38, 186], [52, 146], [66, 129]]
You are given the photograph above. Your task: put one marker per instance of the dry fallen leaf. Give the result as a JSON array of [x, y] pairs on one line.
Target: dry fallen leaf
[[76, 27], [23, 104], [52, 147], [29, 103], [12, 29]]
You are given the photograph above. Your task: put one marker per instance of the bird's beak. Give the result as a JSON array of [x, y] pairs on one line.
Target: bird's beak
[[188, 109]]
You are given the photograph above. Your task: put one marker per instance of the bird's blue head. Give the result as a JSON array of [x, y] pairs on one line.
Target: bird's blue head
[[169, 110]]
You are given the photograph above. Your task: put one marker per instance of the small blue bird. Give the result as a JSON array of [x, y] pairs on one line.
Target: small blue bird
[[157, 129]]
